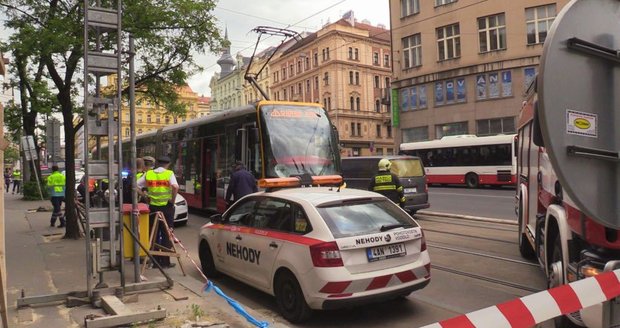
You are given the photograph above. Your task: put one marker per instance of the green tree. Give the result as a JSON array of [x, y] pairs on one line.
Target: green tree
[[167, 35]]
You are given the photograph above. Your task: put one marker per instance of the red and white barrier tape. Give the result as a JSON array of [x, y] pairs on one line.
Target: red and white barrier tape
[[536, 308]]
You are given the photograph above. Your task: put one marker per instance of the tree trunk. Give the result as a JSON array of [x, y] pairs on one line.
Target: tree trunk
[[72, 229]]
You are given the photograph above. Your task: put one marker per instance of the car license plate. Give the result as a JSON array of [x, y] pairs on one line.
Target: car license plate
[[385, 252], [411, 190]]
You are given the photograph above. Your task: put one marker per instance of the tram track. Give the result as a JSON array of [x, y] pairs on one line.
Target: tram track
[[480, 254], [486, 278], [471, 236], [466, 223]]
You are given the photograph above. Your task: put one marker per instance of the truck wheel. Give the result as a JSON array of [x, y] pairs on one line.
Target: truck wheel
[[206, 261], [525, 248], [471, 180], [290, 298], [556, 278]]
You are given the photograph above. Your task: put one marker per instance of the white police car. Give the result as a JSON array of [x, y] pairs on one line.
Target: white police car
[[180, 211], [317, 247]]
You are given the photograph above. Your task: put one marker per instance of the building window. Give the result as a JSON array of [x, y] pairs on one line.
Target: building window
[[326, 78], [139, 131], [415, 134], [443, 2], [450, 129], [538, 21], [316, 83], [494, 126], [492, 32], [350, 77], [315, 59], [308, 86], [306, 63], [285, 94], [379, 151], [377, 81], [140, 118], [389, 131], [284, 73], [413, 98], [352, 102], [357, 102], [353, 129], [329, 103], [412, 50], [409, 7], [450, 92], [377, 106], [356, 56], [375, 58], [291, 71], [127, 132], [148, 118], [449, 42], [298, 66], [359, 129], [378, 130], [494, 85], [386, 60], [357, 78], [350, 52], [299, 88]]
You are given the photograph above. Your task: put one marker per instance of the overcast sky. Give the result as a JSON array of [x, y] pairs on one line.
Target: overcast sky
[[241, 16]]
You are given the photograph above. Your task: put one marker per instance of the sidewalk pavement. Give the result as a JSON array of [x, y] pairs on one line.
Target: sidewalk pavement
[[40, 262]]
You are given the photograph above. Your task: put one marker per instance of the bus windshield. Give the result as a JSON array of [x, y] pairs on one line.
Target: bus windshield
[[298, 140]]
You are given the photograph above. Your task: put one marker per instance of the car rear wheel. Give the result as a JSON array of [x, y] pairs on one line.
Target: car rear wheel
[[290, 298], [206, 261]]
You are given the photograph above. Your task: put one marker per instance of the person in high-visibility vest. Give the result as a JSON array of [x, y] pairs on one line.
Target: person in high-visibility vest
[[17, 180], [56, 183], [387, 183], [162, 189]]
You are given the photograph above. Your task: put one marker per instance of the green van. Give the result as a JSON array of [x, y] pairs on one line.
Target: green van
[[357, 172]]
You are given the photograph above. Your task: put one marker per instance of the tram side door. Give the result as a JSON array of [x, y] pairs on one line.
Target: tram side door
[[247, 147]]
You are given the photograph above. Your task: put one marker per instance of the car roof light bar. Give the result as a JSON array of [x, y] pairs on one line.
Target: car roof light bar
[[294, 182]]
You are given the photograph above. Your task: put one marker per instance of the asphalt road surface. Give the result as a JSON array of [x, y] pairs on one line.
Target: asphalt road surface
[[497, 203]]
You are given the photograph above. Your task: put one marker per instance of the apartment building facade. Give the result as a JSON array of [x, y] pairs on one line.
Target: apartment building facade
[[346, 66], [462, 66]]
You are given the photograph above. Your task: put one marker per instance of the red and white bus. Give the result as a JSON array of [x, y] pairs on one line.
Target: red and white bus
[[467, 159]]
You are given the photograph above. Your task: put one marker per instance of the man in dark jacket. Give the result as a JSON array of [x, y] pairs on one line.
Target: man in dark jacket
[[387, 183], [242, 183]]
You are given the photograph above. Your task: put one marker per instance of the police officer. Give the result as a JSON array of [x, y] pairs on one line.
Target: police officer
[[387, 183], [56, 184], [162, 188]]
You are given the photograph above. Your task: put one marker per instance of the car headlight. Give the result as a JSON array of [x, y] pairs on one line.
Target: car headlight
[[181, 203]]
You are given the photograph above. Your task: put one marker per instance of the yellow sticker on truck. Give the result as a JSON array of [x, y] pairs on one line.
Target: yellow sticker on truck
[[581, 123]]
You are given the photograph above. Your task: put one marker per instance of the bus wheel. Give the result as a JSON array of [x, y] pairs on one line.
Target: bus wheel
[[471, 180]]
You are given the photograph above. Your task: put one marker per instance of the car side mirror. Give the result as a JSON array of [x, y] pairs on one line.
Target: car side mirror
[[216, 218]]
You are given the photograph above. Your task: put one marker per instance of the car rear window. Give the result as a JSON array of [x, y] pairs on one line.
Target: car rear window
[[407, 167], [349, 219]]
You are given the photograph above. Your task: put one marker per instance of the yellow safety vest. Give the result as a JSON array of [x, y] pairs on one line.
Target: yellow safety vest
[[56, 181], [17, 175], [158, 187]]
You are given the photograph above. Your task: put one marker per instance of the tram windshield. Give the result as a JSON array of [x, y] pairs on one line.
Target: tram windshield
[[298, 140]]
